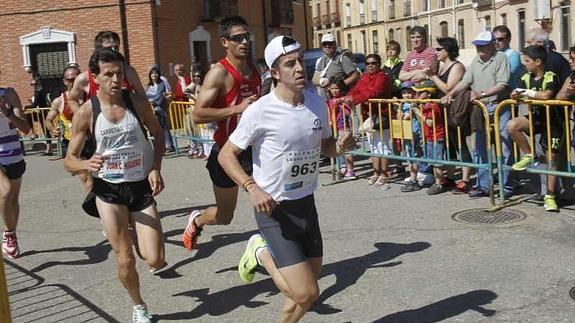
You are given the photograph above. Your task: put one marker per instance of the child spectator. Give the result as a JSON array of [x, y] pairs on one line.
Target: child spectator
[[411, 147], [434, 134], [340, 114], [392, 66], [538, 84]]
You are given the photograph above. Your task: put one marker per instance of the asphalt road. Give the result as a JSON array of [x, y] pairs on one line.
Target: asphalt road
[[389, 257]]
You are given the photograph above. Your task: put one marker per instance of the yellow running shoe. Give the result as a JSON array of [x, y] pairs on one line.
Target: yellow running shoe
[[248, 261]]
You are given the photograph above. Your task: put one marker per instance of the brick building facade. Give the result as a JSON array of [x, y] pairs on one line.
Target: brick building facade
[[40, 37]]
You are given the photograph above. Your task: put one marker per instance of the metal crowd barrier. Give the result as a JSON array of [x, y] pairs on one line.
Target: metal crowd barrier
[[566, 106], [402, 130], [182, 125], [4, 301], [38, 132]]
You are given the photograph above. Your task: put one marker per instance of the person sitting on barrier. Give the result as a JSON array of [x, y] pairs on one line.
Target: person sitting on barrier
[[340, 114], [374, 84], [12, 167], [487, 76], [156, 93], [538, 84]]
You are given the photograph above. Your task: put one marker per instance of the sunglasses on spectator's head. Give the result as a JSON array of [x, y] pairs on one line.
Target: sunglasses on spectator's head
[[239, 37]]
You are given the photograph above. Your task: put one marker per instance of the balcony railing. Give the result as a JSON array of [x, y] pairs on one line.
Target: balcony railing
[[392, 12], [348, 21], [374, 16], [362, 18], [316, 21]]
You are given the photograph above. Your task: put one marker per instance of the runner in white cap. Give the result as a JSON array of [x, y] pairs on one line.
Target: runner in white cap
[[288, 129]]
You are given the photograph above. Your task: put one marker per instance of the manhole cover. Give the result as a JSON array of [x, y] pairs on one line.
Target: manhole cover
[[572, 292], [482, 216]]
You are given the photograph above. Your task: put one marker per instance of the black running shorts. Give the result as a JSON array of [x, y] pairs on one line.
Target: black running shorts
[[218, 175], [135, 195], [14, 171], [292, 231]]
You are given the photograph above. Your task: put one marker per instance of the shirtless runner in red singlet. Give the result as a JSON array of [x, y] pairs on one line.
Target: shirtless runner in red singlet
[[229, 87]]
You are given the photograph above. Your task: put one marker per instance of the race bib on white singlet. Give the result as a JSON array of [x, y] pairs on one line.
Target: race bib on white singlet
[[300, 169], [123, 164]]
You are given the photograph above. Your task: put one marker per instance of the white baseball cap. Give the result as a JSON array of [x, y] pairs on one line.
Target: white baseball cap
[[483, 38], [327, 38], [279, 46]]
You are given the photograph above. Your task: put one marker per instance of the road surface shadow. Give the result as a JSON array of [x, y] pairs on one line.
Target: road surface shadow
[[347, 273], [96, 254], [205, 249], [444, 309]]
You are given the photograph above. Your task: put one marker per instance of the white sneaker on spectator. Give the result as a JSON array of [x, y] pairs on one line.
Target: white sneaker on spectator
[[425, 179]]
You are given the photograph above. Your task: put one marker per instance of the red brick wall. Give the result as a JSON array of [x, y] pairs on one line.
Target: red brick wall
[[85, 18]]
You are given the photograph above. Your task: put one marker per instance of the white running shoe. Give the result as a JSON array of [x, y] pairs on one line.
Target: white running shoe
[[141, 314], [10, 244]]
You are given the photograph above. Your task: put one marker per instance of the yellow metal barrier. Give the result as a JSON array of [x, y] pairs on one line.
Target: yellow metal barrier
[[182, 125], [4, 301], [565, 146], [39, 132], [402, 130]]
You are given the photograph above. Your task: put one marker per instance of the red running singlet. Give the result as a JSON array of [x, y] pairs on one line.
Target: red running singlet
[[242, 88]]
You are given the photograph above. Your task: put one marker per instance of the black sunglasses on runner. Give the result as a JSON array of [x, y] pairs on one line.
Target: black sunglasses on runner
[[239, 37]]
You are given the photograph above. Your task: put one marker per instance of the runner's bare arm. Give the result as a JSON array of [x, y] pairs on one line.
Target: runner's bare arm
[[51, 117], [77, 92], [81, 123], [331, 148], [228, 159], [151, 123], [134, 80], [214, 86], [17, 113]]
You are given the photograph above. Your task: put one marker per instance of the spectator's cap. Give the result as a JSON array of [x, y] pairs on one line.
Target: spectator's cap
[[483, 38], [427, 86], [328, 38], [279, 46], [407, 85]]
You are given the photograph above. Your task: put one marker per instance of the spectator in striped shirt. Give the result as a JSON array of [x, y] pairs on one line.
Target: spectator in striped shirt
[[421, 58]]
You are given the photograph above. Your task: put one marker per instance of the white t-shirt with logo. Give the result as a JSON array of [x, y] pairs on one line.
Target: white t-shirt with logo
[[286, 142]]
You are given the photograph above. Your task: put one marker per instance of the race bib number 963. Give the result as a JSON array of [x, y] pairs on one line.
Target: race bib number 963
[[300, 169]]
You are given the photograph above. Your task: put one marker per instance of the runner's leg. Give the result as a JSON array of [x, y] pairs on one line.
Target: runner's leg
[[149, 235], [297, 282], [115, 218], [223, 212], [9, 204]]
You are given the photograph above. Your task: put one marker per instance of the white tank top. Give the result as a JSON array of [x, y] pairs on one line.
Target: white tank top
[[128, 155]]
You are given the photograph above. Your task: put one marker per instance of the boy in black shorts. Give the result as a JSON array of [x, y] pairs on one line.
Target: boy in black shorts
[[539, 84]]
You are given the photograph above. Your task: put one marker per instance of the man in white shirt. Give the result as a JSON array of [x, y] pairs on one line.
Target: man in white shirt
[[287, 129]]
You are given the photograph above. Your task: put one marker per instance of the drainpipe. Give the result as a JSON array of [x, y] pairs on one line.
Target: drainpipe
[[124, 27], [265, 16]]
